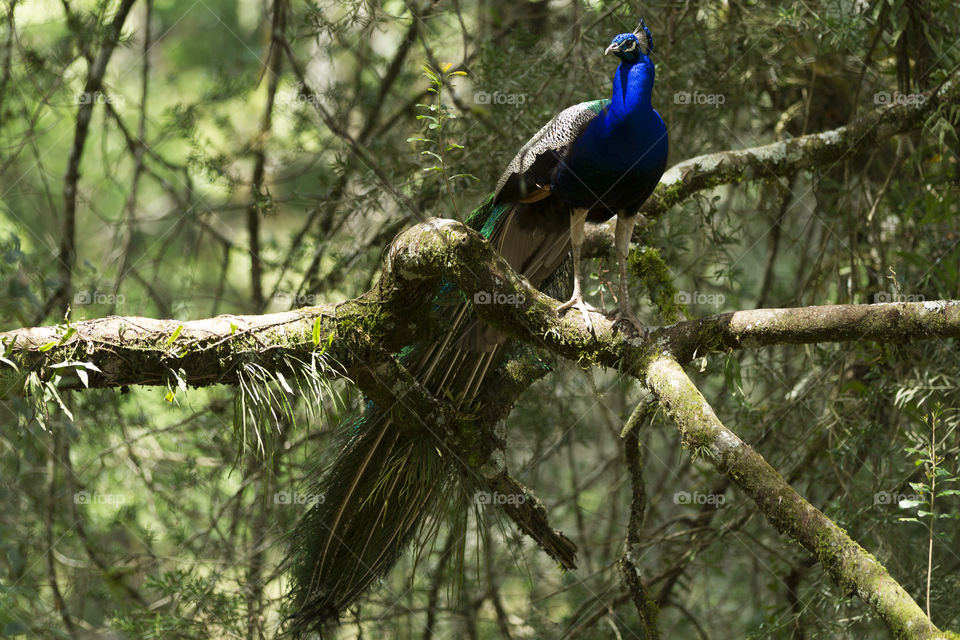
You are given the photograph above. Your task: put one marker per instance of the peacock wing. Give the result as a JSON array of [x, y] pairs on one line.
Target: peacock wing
[[527, 177]]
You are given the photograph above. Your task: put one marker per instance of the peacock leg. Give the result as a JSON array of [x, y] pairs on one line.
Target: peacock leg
[[577, 221], [622, 242]]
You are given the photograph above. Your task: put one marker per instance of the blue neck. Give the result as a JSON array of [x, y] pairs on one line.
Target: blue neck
[[621, 154], [632, 86]]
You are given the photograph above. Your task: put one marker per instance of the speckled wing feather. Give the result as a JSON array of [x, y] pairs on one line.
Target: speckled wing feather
[[530, 169]]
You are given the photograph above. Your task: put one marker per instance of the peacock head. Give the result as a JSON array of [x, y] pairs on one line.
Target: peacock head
[[630, 47]]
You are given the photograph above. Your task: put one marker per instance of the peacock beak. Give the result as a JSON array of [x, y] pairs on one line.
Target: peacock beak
[[612, 47]]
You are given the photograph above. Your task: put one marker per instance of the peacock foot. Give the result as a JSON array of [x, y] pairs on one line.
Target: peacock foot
[[626, 315], [585, 308]]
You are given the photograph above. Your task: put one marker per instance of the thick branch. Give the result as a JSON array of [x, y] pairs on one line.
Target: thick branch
[[883, 323], [131, 350], [849, 565]]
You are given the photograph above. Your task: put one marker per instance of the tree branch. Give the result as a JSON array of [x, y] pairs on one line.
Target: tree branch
[[134, 350], [848, 564], [93, 84]]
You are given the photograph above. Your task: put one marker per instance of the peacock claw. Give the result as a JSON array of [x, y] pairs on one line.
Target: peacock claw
[[627, 315], [581, 305]]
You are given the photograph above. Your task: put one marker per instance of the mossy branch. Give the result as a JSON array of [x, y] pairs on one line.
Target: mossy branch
[[848, 564], [356, 333]]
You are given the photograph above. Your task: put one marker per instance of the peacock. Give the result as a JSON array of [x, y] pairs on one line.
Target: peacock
[[592, 161]]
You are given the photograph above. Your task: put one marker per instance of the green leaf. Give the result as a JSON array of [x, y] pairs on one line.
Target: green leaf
[[56, 396], [80, 370], [316, 332], [176, 334], [283, 383], [76, 363], [731, 371], [327, 345]]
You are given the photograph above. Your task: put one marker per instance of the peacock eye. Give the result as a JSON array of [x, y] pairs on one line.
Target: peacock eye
[[630, 46]]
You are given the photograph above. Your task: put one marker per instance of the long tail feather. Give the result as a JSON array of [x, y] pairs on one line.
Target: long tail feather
[[389, 480], [371, 501]]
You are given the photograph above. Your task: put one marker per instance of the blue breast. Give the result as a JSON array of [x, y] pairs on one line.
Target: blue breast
[[618, 159]]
